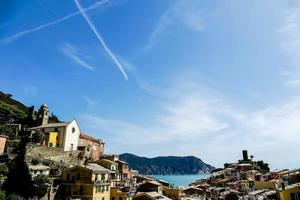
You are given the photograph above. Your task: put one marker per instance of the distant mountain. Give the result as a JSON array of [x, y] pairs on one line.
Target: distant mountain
[[166, 165]]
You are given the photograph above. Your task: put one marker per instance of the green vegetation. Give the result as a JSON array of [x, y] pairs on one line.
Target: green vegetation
[[18, 178], [13, 111], [14, 197], [41, 185], [2, 195]]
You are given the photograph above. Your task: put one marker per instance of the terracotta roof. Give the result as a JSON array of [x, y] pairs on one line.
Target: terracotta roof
[[87, 137]]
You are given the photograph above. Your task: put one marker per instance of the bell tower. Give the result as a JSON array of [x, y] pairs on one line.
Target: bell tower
[[43, 115]]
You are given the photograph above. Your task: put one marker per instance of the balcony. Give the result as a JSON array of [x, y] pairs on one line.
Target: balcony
[[102, 182]]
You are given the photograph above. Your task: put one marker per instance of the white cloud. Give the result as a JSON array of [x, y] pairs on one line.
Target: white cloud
[[75, 55], [188, 14], [290, 32], [91, 103], [194, 120]]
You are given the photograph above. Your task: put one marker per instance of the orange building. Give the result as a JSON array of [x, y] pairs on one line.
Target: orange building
[[94, 148], [2, 143]]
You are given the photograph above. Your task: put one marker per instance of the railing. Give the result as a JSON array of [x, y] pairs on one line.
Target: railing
[[102, 182]]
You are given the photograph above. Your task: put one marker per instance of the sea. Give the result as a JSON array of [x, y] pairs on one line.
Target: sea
[[180, 180]]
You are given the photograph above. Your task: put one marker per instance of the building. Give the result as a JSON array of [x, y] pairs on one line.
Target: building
[[192, 191], [120, 193], [271, 185], [93, 147], [126, 177], [36, 170], [89, 182], [150, 186], [173, 193], [3, 139], [43, 115], [124, 170], [63, 135], [115, 176], [291, 192], [150, 196]]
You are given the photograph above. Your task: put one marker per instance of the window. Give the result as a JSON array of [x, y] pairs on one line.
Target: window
[[73, 130], [81, 190], [295, 196], [120, 198], [98, 189], [78, 176], [103, 198], [68, 176]]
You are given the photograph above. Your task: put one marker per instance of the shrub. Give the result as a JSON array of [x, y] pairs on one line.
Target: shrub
[[2, 195], [14, 197]]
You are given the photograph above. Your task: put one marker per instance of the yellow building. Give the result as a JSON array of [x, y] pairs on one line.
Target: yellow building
[[51, 139], [120, 194], [291, 192], [113, 166], [271, 185], [173, 193], [245, 186], [89, 182]]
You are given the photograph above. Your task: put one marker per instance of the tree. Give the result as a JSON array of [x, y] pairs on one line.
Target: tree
[[2, 195], [14, 197], [18, 178], [3, 170], [41, 185], [231, 196]]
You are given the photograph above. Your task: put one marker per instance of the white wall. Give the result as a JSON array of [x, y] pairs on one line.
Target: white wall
[[71, 137]]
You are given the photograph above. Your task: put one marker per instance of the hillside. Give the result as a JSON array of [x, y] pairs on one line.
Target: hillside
[[164, 165], [13, 111]]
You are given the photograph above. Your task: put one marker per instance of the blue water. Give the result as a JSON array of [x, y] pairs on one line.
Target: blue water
[[180, 180]]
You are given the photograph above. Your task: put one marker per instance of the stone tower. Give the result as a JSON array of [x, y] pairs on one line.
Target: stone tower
[[43, 115]]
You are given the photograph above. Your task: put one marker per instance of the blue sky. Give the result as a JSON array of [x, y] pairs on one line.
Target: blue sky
[[162, 77]]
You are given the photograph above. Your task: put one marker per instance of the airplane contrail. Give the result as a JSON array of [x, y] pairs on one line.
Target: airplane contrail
[[106, 48], [16, 36]]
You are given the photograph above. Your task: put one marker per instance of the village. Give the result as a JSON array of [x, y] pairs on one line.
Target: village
[[76, 167]]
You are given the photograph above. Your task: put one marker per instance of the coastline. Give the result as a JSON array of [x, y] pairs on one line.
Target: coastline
[[180, 180]]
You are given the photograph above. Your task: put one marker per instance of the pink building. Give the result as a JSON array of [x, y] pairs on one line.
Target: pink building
[[2, 143], [94, 148]]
